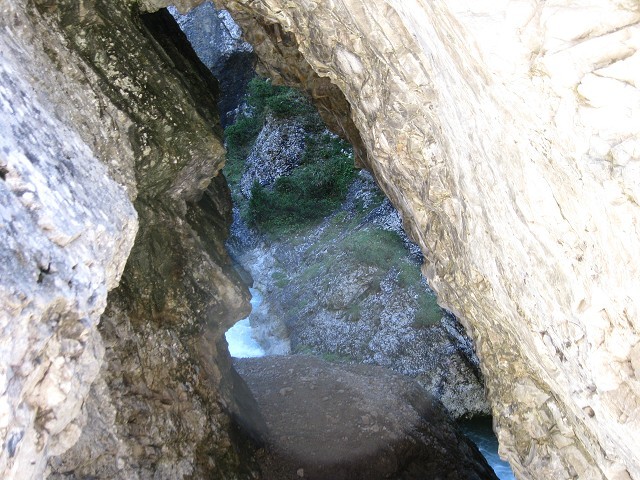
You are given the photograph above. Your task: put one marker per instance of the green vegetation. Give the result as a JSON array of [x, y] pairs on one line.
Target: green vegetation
[[312, 271], [311, 191], [262, 97], [380, 249], [408, 273], [239, 138], [428, 313], [280, 278], [334, 357], [354, 312], [376, 247], [384, 250], [282, 102]]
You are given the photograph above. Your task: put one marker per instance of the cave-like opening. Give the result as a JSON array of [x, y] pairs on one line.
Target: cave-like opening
[[506, 141], [167, 402], [333, 273]]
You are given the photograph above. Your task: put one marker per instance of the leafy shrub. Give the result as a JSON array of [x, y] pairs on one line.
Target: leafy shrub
[[315, 188], [259, 91], [289, 104], [309, 193], [262, 97], [282, 102], [240, 138]]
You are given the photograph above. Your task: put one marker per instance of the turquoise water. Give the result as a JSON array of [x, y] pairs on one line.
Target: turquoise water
[[479, 431], [240, 338]]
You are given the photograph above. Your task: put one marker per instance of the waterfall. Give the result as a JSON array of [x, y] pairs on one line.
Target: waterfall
[[240, 336]]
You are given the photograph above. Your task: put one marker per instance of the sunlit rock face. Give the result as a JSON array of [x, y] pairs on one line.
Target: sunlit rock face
[[508, 136], [67, 229]]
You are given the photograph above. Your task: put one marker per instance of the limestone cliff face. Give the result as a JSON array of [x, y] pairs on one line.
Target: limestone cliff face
[[507, 135], [67, 228], [108, 129]]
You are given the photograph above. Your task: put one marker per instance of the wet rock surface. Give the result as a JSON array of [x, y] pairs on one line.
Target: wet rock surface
[[351, 422]]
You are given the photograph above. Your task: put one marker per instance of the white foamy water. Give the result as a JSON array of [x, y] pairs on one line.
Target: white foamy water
[[240, 336]]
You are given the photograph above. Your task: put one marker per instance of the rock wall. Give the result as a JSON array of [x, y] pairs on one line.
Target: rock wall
[[507, 136], [67, 229], [108, 129], [217, 40]]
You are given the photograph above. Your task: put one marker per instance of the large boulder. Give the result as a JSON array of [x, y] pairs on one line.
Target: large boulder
[[353, 422]]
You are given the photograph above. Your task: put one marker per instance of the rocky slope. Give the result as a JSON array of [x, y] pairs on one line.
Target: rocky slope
[[340, 280], [507, 136], [349, 290]]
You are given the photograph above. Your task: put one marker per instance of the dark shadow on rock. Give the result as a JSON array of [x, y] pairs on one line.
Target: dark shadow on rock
[[336, 421]]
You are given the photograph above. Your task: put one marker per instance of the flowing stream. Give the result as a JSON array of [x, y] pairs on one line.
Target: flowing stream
[[242, 344], [480, 432], [240, 336]]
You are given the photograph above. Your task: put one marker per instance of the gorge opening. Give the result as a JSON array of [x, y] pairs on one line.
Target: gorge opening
[[323, 248]]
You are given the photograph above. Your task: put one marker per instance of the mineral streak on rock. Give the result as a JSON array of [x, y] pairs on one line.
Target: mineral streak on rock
[[508, 137]]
